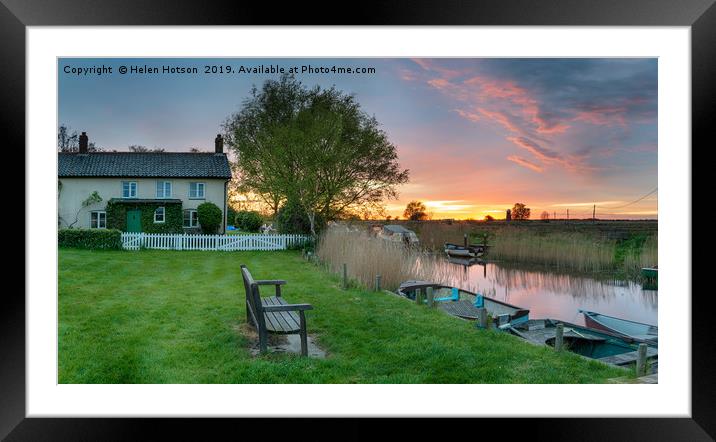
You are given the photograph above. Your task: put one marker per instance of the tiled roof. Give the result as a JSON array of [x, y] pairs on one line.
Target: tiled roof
[[138, 165]]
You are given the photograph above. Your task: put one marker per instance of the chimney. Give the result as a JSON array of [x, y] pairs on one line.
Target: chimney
[[83, 142], [219, 144]]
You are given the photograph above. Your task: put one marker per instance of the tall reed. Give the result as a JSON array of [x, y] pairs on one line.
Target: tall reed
[[647, 256], [367, 256], [568, 250]]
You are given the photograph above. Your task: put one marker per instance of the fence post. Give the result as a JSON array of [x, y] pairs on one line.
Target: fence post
[[377, 283], [559, 337], [431, 302], [345, 276], [641, 360]]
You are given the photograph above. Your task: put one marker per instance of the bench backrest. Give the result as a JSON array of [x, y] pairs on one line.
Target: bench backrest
[[253, 297]]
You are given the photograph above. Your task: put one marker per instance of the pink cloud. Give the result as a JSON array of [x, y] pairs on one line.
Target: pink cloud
[[472, 116], [525, 163], [501, 118], [603, 116]]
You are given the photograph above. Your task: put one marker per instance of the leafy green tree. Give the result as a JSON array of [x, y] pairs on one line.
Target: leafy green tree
[[314, 147], [520, 212], [415, 211], [209, 217], [291, 218]]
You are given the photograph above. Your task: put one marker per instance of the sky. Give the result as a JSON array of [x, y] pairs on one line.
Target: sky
[[477, 134]]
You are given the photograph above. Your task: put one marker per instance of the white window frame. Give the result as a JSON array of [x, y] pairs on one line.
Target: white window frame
[[164, 215], [164, 185], [131, 194], [195, 218], [99, 218], [198, 196]]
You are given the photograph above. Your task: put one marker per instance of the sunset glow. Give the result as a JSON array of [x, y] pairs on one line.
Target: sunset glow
[[477, 135]]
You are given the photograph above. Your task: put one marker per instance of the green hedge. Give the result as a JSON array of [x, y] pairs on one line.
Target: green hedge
[[90, 238], [249, 221]]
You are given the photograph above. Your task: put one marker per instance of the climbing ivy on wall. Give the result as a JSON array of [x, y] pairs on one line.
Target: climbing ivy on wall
[[173, 216]]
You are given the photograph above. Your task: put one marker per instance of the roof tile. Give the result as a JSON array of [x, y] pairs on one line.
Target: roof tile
[[137, 165]]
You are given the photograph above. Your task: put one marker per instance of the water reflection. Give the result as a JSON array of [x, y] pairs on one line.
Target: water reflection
[[555, 295]]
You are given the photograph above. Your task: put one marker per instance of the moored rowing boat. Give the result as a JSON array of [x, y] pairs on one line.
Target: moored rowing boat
[[623, 327]]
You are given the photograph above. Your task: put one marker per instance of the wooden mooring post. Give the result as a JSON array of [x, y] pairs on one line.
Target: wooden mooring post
[[482, 317], [559, 337], [641, 360], [345, 276], [377, 283], [419, 296], [431, 298]]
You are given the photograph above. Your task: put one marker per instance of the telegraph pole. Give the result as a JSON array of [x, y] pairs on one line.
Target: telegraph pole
[[594, 213]]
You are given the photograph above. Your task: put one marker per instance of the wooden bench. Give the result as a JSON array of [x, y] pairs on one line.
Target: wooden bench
[[273, 314]]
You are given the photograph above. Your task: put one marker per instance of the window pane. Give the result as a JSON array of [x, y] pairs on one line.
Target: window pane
[[200, 190], [194, 218], [160, 189], [102, 222], [167, 189], [93, 220]]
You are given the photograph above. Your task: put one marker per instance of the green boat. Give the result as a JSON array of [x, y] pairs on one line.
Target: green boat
[[589, 342], [650, 273]]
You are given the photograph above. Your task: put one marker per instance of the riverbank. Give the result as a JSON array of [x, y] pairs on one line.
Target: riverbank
[[177, 317], [620, 247]]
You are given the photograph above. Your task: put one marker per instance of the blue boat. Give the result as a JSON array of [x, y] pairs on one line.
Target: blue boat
[[465, 304], [605, 346]]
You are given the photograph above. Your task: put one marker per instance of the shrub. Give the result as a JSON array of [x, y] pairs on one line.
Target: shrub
[[231, 216], [291, 218], [307, 245], [90, 238], [249, 221], [209, 217]]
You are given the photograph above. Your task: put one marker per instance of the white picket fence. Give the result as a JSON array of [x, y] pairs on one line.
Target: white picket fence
[[171, 241]]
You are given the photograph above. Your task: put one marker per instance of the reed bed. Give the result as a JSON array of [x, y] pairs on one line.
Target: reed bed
[[433, 236], [573, 251], [367, 256], [646, 256]]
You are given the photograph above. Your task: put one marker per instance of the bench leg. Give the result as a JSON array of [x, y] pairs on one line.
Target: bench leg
[[262, 340], [304, 337]]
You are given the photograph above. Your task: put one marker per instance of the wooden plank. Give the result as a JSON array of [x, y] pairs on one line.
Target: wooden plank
[[282, 321]]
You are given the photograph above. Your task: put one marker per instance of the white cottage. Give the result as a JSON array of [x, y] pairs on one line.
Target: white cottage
[[140, 192]]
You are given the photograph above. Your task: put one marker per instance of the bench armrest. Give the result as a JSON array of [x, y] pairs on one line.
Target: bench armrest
[[270, 282], [286, 307]]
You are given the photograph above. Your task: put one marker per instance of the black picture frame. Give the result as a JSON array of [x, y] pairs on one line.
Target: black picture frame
[[16, 15]]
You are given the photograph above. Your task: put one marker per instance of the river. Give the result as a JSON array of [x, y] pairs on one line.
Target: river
[[556, 295]]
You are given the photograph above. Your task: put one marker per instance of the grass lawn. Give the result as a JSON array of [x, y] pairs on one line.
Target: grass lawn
[[175, 317]]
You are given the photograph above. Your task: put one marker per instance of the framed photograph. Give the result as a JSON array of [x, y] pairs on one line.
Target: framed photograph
[[456, 213]]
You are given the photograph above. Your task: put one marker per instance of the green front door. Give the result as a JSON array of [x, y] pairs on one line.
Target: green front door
[[134, 220]]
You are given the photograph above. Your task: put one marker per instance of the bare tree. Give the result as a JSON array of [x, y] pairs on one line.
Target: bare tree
[[143, 149], [70, 141]]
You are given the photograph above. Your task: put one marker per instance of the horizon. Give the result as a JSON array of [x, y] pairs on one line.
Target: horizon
[[478, 135]]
